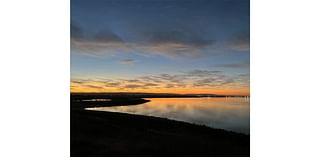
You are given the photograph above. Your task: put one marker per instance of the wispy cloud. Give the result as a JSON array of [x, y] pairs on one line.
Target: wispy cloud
[[127, 61], [245, 64], [239, 42], [192, 79], [133, 86], [166, 43], [94, 86], [203, 73]]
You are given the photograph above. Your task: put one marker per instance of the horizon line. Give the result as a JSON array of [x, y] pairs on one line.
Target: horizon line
[[154, 93]]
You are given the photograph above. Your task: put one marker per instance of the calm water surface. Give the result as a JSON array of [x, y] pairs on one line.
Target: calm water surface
[[225, 113]]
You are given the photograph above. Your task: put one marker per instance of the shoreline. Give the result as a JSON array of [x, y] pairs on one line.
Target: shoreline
[[101, 133]]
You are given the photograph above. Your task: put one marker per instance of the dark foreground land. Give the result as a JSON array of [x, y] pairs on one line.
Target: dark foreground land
[[99, 134]]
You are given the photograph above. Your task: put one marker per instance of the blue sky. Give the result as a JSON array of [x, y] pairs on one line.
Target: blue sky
[[130, 39]]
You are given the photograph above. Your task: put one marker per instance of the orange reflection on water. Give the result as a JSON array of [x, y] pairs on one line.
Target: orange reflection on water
[[225, 113]]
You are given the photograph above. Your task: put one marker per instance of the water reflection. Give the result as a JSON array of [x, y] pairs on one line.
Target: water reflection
[[225, 113], [97, 100]]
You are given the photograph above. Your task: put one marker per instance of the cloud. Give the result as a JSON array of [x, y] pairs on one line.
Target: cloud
[[112, 84], [77, 82], [165, 43], [239, 42], [150, 79], [170, 85], [101, 43], [93, 86], [171, 78], [76, 31], [150, 85], [176, 43], [194, 79], [203, 73], [133, 86], [206, 82], [245, 64], [193, 39], [107, 36], [127, 61]]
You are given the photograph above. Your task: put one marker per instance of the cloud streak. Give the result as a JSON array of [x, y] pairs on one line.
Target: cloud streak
[[192, 79], [245, 64], [239, 42], [127, 61], [165, 43]]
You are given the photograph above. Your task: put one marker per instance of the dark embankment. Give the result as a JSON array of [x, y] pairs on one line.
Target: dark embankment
[[98, 134]]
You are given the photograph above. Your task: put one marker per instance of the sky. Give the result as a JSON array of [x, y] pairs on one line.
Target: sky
[[160, 46]]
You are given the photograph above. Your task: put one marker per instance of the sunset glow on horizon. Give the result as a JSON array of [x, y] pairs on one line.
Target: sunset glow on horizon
[[240, 92], [102, 86]]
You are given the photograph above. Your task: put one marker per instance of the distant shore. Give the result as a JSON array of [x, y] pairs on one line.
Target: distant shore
[[98, 133], [145, 95]]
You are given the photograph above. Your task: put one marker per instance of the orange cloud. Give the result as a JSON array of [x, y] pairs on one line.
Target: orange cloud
[[193, 82]]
